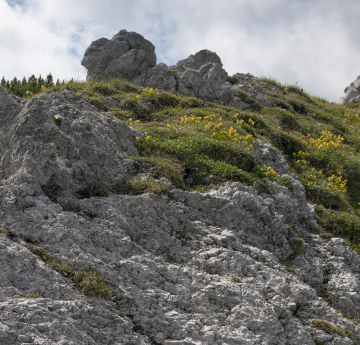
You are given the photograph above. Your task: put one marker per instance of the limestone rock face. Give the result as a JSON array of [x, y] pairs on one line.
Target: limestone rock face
[[352, 92], [159, 77], [205, 83], [184, 268], [61, 158]]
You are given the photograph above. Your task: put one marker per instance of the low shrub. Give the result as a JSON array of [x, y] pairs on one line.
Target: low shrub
[[141, 185], [297, 245]]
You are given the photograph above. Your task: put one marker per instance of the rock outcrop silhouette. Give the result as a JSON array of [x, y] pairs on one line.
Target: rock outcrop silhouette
[[352, 92], [130, 56]]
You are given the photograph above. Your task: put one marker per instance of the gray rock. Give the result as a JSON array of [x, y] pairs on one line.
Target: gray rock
[[126, 55], [352, 93], [197, 60], [266, 154], [205, 83], [161, 77], [62, 159]]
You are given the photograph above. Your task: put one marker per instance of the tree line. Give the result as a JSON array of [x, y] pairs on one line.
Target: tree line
[[29, 86]]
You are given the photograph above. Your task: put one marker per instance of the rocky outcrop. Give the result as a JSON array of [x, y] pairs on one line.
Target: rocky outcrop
[[67, 153], [352, 93], [130, 56], [184, 268], [127, 55]]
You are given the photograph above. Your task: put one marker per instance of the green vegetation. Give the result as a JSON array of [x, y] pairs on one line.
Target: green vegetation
[[27, 88], [96, 190], [328, 327], [297, 245], [138, 185], [288, 266], [4, 231], [198, 144], [87, 281]]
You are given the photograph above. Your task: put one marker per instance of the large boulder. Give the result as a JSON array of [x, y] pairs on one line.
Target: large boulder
[[126, 55], [352, 92], [60, 145]]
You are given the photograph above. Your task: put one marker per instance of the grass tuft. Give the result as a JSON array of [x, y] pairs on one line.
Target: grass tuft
[[88, 281]]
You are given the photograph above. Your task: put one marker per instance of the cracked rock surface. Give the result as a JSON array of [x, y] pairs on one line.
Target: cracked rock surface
[[185, 268]]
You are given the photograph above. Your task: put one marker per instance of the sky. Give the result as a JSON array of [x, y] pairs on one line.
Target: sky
[[310, 43]]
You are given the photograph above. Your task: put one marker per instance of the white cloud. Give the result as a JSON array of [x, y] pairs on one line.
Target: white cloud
[[314, 43]]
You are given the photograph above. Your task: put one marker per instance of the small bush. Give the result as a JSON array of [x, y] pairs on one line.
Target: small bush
[[91, 283], [138, 185], [98, 103], [190, 102], [232, 80], [94, 191], [4, 231], [288, 121], [297, 245], [298, 107], [104, 89], [254, 104], [140, 111]]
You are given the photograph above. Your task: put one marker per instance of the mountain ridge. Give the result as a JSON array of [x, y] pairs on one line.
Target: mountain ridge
[[133, 215]]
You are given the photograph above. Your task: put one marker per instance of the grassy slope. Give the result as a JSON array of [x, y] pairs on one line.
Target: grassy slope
[[186, 139]]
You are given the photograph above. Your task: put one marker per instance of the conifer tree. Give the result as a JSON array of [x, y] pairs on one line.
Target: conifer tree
[[49, 80]]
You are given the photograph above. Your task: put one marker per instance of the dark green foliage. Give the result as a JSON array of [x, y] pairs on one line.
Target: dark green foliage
[[340, 223], [232, 80], [27, 87], [288, 121], [286, 142], [94, 191], [98, 103], [264, 187], [49, 80], [281, 104], [297, 245], [103, 89], [190, 102], [245, 97], [158, 166], [139, 110], [298, 106]]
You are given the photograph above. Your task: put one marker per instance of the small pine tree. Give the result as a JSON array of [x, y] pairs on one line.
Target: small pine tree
[[57, 82], [49, 80], [32, 84], [24, 82], [3, 81]]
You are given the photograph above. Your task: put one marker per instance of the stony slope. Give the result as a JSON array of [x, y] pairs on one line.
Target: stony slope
[[183, 267]]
